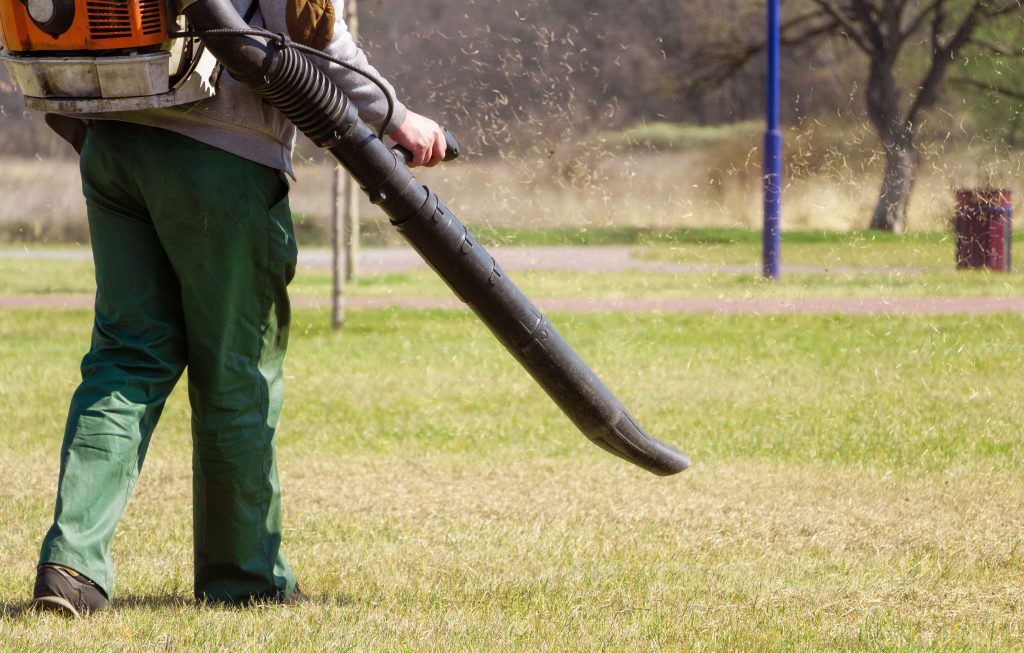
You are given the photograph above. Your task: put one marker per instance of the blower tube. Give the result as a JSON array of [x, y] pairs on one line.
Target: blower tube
[[304, 94]]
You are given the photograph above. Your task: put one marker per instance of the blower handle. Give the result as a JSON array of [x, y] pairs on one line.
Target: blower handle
[[451, 148]]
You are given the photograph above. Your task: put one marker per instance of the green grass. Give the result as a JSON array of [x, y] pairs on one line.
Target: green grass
[[931, 251], [858, 264], [376, 234], [46, 277], [856, 486], [316, 285], [647, 236]]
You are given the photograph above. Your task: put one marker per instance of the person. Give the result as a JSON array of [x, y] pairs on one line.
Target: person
[[194, 249]]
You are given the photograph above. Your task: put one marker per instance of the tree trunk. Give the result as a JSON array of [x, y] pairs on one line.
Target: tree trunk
[[897, 136], [900, 167]]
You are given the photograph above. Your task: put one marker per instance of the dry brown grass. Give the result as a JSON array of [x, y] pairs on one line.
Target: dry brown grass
[[832, 178], [718, 186], [43, 199], [448, 552]]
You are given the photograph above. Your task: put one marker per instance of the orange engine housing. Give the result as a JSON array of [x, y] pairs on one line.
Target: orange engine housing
[[96, 25]]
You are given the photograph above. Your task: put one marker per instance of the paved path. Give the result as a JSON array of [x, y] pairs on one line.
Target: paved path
[[592, 258], [604, 259]]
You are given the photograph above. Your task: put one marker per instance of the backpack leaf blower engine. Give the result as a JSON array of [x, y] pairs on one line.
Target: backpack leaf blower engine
[[85, 56]]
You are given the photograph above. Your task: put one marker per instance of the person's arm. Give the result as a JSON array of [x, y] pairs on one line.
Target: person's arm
[[419, 134]]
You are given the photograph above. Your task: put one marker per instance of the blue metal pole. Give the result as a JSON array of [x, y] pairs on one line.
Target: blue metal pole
[[772, 151]]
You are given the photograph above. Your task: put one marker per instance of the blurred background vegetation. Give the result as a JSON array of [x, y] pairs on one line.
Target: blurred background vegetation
[[646, 114]]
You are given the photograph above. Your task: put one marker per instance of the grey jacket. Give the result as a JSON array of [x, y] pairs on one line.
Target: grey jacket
[[239, 121]]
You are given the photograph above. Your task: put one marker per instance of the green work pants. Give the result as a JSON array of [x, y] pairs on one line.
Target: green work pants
[[194, 249]]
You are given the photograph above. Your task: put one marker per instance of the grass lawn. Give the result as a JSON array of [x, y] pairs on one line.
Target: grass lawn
[[856, 486], [859, 264]]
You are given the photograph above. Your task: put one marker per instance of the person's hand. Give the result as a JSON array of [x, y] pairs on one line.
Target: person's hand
[[423, 137]]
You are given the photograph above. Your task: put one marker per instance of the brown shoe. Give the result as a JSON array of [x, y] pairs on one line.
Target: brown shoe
[[64, 590], [295, 597]]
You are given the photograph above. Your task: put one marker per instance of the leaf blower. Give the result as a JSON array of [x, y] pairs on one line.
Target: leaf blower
[[107, 55]]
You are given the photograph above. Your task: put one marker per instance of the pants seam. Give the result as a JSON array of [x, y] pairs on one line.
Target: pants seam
[[264, 389]]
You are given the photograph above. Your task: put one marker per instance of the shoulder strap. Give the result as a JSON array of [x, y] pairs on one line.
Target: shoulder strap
[[254, 6]]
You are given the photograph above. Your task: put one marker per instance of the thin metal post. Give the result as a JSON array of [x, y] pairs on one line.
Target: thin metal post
[[337, 265], [351, 196], [772, 231], [350, 201], [344, 218]]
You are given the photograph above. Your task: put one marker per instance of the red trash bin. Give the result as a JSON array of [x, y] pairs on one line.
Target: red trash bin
[[984, 229]]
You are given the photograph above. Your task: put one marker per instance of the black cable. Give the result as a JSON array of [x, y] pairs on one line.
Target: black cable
[[193, 64], [281, 41]]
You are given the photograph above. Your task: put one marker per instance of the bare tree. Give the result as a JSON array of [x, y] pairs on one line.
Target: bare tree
[[892, 34], [882, 32]]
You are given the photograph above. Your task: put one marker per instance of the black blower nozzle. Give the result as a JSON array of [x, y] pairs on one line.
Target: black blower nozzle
[[289, 80]]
